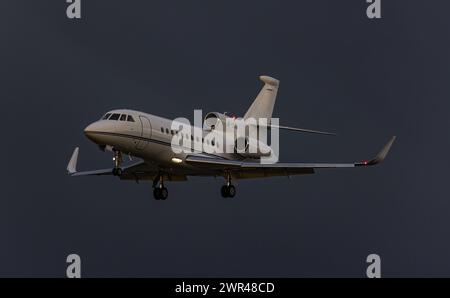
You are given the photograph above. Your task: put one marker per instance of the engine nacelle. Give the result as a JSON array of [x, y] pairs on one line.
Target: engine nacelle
[[251, 148], [211, 120], [248, 148]]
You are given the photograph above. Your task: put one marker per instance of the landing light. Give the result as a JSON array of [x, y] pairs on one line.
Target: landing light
[[177, 160]]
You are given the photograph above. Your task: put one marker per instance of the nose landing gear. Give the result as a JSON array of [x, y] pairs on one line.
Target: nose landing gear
[[228, 190], [117, 170], [159, 191]]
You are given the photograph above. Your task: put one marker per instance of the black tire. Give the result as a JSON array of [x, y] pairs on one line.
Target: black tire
[[164, 193], [231, 190], [224, 191], [157, 193], [117, 171]]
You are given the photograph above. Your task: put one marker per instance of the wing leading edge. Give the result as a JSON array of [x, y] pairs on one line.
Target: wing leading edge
[[135, 171], [283, 168], [214, 166]]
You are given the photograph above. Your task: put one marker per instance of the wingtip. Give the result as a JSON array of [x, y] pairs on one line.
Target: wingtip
[[72, 165], [381, 156]]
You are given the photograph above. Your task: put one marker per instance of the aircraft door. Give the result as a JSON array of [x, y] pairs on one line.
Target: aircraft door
[[146, 133]]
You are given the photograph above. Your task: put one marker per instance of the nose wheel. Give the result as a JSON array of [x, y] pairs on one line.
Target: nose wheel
[[228, 190], [160, 192], [117, 172]]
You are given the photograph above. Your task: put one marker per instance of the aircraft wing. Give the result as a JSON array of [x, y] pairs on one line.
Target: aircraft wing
[[245, 169], [134, 171]]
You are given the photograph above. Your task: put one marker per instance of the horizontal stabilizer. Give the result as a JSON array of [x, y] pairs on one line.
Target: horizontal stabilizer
[[303, 130]]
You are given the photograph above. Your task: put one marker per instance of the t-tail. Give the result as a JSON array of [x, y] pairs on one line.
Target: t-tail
[[262, 106]]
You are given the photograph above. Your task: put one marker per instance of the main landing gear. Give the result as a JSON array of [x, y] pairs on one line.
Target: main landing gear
[[117, 170], [228, 190], [159, 191]]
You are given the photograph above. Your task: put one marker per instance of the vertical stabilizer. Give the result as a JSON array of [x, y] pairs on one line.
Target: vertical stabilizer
[[262, 106]]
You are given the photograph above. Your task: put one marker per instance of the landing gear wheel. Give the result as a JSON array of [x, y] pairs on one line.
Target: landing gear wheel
[[117, 171], [223, 191], [157, 193], [231, 191], [160, 193], [228, 191], [164, 193]]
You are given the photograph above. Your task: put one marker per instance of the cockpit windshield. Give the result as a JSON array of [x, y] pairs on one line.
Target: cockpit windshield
[[114, 117], [121, 117]]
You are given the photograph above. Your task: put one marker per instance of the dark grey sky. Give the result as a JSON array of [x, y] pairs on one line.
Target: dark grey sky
[[339, 71]]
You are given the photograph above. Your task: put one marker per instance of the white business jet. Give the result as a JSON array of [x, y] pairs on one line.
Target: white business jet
[[150, 138]]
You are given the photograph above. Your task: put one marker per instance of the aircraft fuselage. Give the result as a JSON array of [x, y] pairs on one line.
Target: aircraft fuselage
[[147, 136]]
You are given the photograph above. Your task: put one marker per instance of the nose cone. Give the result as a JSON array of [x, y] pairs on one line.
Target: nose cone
[[89, 131], [93, 130]]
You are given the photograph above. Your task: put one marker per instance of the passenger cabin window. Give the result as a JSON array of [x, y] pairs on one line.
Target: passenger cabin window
[[130, 118], [114, 117], [167, 131], [106, 116], [162, 129], [123, 117]]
